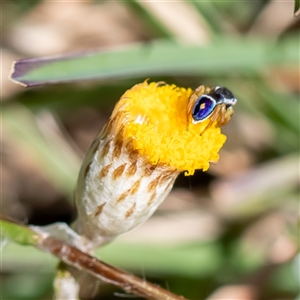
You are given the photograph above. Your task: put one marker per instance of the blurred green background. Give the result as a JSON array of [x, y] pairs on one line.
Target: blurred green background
[[229, 233]]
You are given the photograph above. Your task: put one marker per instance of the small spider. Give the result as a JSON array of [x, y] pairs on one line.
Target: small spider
[[213, 103]]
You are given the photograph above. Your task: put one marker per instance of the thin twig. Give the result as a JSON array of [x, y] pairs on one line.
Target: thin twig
[[83, 261], [72, 256]]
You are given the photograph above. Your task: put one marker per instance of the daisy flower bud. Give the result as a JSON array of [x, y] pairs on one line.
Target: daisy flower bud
[[156, 131]]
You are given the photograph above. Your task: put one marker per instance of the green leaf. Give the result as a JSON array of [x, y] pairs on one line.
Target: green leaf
[[190, 260], [30, 286], [286, 106], [16, 258], [286, 278], [225, 56], [297, 7], [213, 16], [58, 164], [17, 233], [149, 19]]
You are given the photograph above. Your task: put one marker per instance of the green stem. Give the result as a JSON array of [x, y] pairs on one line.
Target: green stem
[[82, 261]]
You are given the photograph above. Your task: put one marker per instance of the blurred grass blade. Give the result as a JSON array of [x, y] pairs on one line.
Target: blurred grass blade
[[158, 58], [16, 257], [180, 19], [150, 21], [285, 106], [59, 166], [297, 8], [213, 16], [192, 260], [18, 233], [257, 189]]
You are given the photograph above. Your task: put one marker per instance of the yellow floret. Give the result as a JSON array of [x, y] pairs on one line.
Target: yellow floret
[[155, 117]]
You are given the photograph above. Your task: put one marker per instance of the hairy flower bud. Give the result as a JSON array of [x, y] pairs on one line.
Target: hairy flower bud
[[132, 164]]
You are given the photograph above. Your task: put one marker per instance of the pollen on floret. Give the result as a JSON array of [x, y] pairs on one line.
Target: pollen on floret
[[156, 121]]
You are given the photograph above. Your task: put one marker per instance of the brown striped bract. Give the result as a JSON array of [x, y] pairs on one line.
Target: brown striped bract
[[130, 211], [152, 185], [117, 149], [99, 209], [133, 155], [131, 169], [121, 188], [130, 191], [149, 169], [135, 187], [122, 197], [104, 171], [118, 171], [106, 148], [153, 196]]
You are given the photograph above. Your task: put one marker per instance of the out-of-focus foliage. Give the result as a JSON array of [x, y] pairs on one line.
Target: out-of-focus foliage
[[160, 58], [297, 6], [229, 233]]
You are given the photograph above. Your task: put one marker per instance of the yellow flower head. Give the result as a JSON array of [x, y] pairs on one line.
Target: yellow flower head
[[156, 118], [155, 132]]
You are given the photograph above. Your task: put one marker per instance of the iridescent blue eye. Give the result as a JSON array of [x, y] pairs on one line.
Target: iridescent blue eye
[[203, 108]]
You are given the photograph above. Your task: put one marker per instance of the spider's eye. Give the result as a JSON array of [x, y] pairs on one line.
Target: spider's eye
[[203, 108]]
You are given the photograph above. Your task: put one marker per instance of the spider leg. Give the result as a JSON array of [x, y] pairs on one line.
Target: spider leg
[[192, 100], [222, 113], [227, 115], [214, 116]]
